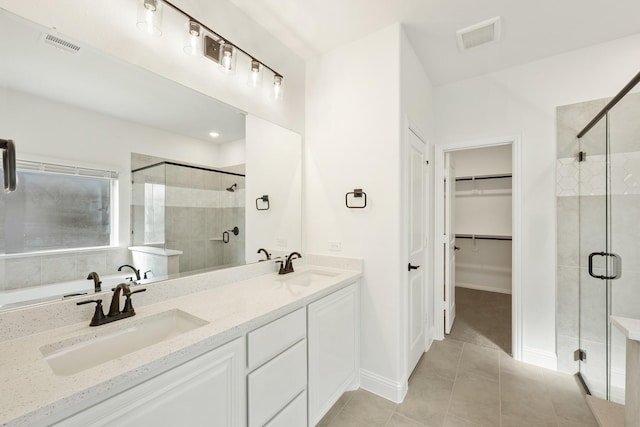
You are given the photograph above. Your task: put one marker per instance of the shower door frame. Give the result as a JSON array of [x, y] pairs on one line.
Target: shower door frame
[[612, 262]]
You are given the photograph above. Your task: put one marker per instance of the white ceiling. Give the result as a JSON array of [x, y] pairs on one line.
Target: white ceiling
[[101, 83], [531, 29]]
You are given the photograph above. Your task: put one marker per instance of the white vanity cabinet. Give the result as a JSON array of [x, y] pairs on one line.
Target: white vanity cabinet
[[333, 337], [277, 359], [206, 391], [286, 373]]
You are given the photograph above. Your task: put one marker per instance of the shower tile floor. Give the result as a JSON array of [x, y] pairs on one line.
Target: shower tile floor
[[470, 380]]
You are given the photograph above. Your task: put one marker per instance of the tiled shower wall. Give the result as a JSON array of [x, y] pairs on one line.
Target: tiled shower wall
[[581, 318], [194, 211]]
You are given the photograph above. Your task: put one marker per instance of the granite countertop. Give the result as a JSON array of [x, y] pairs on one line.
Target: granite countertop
[[32, 393]]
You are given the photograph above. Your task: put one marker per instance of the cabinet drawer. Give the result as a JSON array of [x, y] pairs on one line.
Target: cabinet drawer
[[295, 414], [270, 340], [276, 383]]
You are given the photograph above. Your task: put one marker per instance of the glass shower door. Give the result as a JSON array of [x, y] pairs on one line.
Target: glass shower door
[[593, 245], [624, 229]]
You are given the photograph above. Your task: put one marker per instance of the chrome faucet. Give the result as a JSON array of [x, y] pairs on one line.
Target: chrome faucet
[[136, 271], [96, 281], [288, 266], [267, 254]]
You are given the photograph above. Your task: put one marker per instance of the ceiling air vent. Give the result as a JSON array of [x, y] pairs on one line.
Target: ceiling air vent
[[478, 34], [60, 43]]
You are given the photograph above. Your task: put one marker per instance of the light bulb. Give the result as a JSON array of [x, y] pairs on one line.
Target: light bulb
[[150, 17], [277, 87], [255, 74], [227, 57], [193, 40]]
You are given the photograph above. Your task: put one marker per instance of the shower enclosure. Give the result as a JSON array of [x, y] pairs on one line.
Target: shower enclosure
[[192, 209], [609, 240]]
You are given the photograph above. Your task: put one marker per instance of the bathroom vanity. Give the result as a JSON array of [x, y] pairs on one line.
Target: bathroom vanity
[[270, 350]]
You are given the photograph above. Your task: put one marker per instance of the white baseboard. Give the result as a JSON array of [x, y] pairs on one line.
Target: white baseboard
[[544, 359], [483, 288], [382, 386]]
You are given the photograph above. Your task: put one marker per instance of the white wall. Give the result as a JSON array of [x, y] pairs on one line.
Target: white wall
[[521, 101], [110, 26], [274, 153], [356, 107], [353, 141]]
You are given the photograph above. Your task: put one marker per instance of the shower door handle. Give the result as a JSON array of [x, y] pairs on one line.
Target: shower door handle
[[616, 266], [9, 164]]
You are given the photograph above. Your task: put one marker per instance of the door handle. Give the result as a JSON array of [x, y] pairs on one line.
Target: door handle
[[616, 266], [9, 164], [456, 248], [413, 267]]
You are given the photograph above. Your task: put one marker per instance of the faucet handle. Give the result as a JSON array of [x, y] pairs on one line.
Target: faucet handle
[[98, 314], [128, 306]]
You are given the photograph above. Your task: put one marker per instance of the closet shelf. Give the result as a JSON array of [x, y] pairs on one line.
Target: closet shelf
[[480, 177], [482, 237]]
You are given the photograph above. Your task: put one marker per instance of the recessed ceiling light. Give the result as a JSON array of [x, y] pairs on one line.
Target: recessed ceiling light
[[214, 134]]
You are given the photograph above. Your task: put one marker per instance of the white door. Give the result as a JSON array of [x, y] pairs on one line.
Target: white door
[[449, 245], [417, 248]]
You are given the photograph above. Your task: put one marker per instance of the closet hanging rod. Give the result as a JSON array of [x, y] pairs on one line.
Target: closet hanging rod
[[482, 237], [478, 177]]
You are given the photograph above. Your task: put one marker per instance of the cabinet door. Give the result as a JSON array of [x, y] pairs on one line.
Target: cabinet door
[[206, 391], [333, 349]]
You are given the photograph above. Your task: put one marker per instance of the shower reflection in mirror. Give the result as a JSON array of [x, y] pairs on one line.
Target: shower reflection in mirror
[[192, 209]]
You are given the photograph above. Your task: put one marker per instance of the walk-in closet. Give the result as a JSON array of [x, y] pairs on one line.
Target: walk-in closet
[[483, 259]]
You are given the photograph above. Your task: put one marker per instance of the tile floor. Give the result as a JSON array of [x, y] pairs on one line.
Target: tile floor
[[458, 384]]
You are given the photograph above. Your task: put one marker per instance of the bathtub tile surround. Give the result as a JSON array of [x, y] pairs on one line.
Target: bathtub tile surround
[[22, 271]]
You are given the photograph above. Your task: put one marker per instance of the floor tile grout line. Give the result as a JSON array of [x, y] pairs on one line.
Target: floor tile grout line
[[453, 386], [338, 413], [500, 388]]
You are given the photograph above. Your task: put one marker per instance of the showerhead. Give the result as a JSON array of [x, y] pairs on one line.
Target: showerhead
[[232, 188]]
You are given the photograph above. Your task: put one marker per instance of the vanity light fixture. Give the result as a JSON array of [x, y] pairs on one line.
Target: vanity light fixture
[[193, 38], [214, 47], [227, 56], [277, 87], [150, 17], [255, 74]]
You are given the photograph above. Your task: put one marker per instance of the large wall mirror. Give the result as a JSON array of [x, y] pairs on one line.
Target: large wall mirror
[[118, 166]]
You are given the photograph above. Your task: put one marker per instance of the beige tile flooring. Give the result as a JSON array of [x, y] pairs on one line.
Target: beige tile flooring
[[458, 384]]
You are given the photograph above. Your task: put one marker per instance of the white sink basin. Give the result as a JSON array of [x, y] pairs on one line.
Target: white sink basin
[[77, 354], [306, 278]]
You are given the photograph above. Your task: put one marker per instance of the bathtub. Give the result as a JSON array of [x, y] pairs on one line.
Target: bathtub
[[38, 294]]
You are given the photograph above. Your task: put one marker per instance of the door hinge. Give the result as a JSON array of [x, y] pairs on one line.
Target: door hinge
[[582, 156], [580, 355]]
